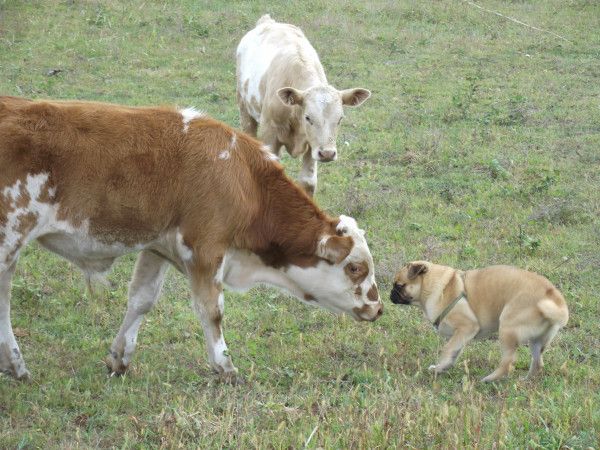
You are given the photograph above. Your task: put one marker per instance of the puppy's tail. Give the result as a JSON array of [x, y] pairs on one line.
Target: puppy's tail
[[558, 315]]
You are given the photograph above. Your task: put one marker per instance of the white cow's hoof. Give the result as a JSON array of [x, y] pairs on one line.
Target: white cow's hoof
[[22, 375], [232, 378], [115, 365]]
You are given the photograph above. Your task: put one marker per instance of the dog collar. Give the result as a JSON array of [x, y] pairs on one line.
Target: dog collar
[[448, 308], [452, 304]]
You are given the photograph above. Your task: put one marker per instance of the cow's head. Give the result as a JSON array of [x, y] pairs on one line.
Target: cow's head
[[321, 113], [343, 278]]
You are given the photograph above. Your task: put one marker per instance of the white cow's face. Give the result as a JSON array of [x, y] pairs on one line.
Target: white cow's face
[[321, 113], [343, 281]]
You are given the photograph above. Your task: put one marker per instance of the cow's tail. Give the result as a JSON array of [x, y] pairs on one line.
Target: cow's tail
[[264, 19]]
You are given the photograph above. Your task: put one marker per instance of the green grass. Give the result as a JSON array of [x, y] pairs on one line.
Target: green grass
[[480, 145]]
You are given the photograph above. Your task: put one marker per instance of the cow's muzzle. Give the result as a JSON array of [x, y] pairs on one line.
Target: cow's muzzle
[[327, 155], [369, 313]]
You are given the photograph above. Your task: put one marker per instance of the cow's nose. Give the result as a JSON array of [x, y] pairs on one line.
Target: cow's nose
[[326, 155], [377, 312]]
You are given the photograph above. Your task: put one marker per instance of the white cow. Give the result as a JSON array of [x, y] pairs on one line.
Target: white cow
[[281, 85]]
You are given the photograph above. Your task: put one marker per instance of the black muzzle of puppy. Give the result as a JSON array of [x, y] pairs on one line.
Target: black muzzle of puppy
[[396, 296]]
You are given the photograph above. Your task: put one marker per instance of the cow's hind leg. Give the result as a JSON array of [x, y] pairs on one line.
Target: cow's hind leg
[[11, 361], [208, 304], [144, 289]]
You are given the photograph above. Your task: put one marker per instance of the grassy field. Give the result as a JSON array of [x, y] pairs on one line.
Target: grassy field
[[480, 145]]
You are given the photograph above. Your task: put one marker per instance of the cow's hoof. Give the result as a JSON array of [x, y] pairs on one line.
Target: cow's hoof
[[115, 366], [22, 375], [232, 378], [309, 189], [11, 363]]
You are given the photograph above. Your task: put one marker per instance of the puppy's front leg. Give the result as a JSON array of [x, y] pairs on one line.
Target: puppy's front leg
[[454, 346]]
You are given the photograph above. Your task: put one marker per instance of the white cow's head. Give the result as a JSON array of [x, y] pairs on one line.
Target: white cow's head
[[320, 113]]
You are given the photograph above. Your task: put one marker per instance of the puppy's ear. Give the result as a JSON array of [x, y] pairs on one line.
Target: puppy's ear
[[416, 269]]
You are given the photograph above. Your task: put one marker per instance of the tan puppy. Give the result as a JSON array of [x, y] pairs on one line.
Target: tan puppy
[[524, 307]]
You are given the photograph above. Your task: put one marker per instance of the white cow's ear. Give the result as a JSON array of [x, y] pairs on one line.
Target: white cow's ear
[[335, 248], [354, 97], [290, 96]]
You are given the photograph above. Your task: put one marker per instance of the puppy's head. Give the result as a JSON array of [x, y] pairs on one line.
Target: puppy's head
[[408, 283]]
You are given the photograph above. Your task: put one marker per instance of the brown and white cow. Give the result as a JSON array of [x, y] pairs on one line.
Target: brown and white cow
[[281, 86], [93, 181]]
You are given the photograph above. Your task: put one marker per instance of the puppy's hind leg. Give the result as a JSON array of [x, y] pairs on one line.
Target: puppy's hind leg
[[537, 347], [509, 342], [454, 346], [537, 363]]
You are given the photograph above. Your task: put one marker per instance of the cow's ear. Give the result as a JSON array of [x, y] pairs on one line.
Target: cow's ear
[[354, 97], [335, 248], [416, 269], [290, 96]]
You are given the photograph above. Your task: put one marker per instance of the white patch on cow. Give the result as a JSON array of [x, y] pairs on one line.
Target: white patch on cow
[[220, 271], [243, 270], [188, 115], [13, 238], [268, 154], [11, 192], [224, 155], [72, 242], [221, 303], [360, 252], [220, 353], [347, 224], [185, 253], [254, 56], [233, 141], [310, 180]]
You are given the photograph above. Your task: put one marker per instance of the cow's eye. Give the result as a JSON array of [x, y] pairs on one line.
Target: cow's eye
[[308, 119], [354, 268]]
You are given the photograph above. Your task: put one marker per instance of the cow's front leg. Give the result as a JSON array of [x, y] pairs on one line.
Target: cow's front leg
[[208, 303], [144, 290], [11, 361], [308, 174]]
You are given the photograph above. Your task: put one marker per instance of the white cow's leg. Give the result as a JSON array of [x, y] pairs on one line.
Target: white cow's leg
[[308, 174], [269, 136], [208, 304], [144, 290], [11, 360], [247, 122]]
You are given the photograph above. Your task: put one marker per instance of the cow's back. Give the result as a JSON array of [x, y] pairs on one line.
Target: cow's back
[[130, 173], [271, 56]]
